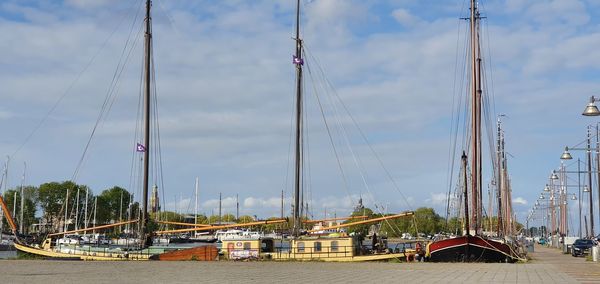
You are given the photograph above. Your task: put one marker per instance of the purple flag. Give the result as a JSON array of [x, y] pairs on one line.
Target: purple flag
[[140, 148], [297, 61]]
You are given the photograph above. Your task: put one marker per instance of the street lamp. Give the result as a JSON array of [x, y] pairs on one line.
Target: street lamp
[[566, 155], [591, 109]]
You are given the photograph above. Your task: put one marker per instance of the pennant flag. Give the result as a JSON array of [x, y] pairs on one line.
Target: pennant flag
[[140, 148], [297, 61]]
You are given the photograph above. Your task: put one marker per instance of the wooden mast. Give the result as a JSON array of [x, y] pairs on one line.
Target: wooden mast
[[144, 237], [476, 92], [499, 179], [298, 62], [465, 192]]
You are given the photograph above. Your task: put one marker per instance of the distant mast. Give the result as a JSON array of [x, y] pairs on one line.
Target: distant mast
[[476, 93], [147, 60], [298, 62], [196, 204]]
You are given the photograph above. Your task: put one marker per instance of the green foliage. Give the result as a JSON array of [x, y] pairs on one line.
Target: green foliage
[[228, 218], [52, 198], [112, 205], [455, 225], [213, 219], [201, 219], [30, 201], [246, 219], [424, 221], [363, 228], [167, 216]]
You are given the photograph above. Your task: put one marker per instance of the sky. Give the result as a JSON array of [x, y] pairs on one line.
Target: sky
[[225, 86]]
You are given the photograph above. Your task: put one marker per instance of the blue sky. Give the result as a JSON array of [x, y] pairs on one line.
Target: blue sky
[[225, 85]]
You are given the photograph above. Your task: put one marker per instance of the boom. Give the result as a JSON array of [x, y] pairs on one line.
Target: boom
[[266, 222], [408, 213]]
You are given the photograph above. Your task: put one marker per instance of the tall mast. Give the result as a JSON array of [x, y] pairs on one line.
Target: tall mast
[[147, 60], [476, 92], [196, 204], [465, 192], [77, 209], [22, 199], [499, 180], [66, 209], [298, 61]]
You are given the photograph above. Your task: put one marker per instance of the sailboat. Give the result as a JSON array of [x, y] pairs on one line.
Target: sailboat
[[303, 245], [474, 245], [144, 252]]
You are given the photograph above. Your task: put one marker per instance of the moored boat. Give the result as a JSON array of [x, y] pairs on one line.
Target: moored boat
[[474, 245]]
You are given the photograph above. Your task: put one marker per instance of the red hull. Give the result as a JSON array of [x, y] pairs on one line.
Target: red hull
[[202, 253], [470, 249]]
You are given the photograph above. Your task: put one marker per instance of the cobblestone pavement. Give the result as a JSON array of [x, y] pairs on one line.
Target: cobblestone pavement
[[577, 267], [548, 266]]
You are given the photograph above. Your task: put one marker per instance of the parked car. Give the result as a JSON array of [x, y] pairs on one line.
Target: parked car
[[581, 246]]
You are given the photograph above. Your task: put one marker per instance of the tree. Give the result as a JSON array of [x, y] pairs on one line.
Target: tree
[[246, 219], [364, 228], [52, 197], [113, 204], [201, 219], [167, 216], [426, 221], [30, 201], [455, 226], [228, 218]]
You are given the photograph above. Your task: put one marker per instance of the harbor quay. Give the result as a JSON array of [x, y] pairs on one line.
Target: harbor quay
[[547, 265]]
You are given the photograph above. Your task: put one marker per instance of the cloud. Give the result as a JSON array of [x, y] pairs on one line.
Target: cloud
[[437, 198], [226, 94], [405, 18], [519, 201]]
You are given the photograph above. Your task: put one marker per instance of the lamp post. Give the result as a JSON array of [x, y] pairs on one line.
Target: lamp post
[[567, 156], [592, 110]]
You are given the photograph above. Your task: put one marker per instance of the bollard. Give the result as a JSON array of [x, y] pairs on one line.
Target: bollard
[[595, 253]]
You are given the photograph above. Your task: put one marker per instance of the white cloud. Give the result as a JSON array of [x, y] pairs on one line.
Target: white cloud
[[405, 18], [226, 93], [437, 198], [519, 201], [90, 4]]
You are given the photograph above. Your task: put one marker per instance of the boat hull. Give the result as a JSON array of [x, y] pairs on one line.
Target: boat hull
[[80, 255], [201, 253], [470, 249]]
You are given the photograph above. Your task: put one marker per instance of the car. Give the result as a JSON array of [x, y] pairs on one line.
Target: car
[[542, 241], [581, 246]]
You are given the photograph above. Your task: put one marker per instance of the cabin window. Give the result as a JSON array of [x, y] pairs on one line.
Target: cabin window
[[335, 246], [267, 246], [317, 246], [300, 246], [247, 246]]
